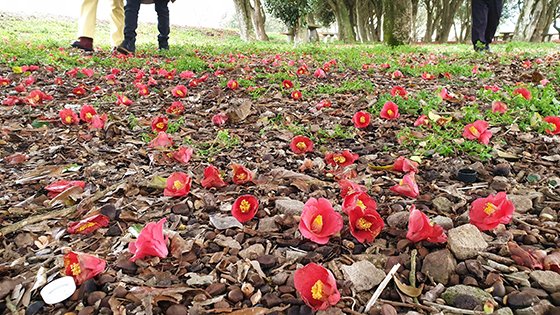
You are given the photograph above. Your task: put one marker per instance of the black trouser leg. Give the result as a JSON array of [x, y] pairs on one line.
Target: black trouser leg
[[479, 22], [163, 23], [494, 14], [130, 24]]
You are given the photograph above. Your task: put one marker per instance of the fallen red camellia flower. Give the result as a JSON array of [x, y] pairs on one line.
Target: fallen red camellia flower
[[420, 228], [499, 107], [178, 184], [348, 187], [5, 81], [296, 95], [525, 93], [61, 185], [183, 155], [358, 199], [98, 121], [179, 91], [219, 119], [427, 76], [365, 223], [317, 286], [287, 84], [143, 90], [244, 208], [68, 117], [322, 104], [241, 175], [162, 140], [150, 242], [36, 97], [487, 213], [123, 100], [159, 124], [554, 121], [319, 73], [422, 121], [397, 74], [479, 131], [232, 84], [405, 165], [319, 221], [407, 186], [390, 111], [82, 266], [361, 119], [176, 108], [79, 91], [88, 225], [212, 178], [341, 159], [301, 145], [86, 113], [399, 91]]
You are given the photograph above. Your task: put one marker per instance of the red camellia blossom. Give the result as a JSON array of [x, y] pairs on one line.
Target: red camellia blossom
[[98, 121], [183, 155], [365, 224], [79, 91], [494, 88], [487, 213], [29, 80], [428, 76], [143, 89], [244, 208], [287, 84], [20, 88], [61, 185], [68, 117], [88, 225], [407, 186], [348, 187], [212, 178], [420, 228], [159, 124], [319, 221], [186, 75], [123, 100], [302, 70], [296, 95], [405, 165], [390, 111], [232, 84], [150, 242], [361, 119], [341, 159], [320, 73], [37, 97], [301, 145], [12, 100], [179, 91], [82, 266], [397, 74], [399, 91], [162, 140], [5, 81], [358, 199], [86, 113], [523, 92], [176, 108], [241, 175], [479, 131], [219, 119], [178, 184], [317, 286], [554, 121], [422, 121], [323, 103], [499, 107]]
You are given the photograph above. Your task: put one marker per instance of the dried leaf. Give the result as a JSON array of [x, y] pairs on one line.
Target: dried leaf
[[552, 262], [407, 289], [64, 197], [239, 113], [523, 257], [16, 158], [222, 223]]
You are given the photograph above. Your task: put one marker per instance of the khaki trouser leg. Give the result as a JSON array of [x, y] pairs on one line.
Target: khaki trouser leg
[[88, 16], [117, 22]]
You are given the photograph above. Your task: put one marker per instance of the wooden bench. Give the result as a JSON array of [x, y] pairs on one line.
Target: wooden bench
[[313, 35], [290, 36], [548, 37], [327, 37], [506, 36]]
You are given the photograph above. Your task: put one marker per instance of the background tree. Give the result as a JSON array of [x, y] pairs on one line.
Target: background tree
[[397, 22], [291, 12], [345, 13], [251, 19], [535, 19]]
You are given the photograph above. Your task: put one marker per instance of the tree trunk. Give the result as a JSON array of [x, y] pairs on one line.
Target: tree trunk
[[449, 8], [244, 17], [397, 22], [429, 20], [259, 19], [415, 35], [378, 9], [343, 10], [535, 19], [364, 18]]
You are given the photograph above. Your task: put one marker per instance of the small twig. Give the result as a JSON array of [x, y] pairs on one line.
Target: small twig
[[516, 220], [412, 275], [381, 287], [481, 185], [497, 258], [409, 305], [454, 309]]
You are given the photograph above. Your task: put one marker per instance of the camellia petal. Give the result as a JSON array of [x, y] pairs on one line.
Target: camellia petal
[[178, 184], [319, 221], [301, 145], [420, 228], [150, 242], [487, 213], [317, 286], [244, 208]]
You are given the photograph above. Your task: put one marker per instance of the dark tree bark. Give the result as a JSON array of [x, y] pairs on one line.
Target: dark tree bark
[[345, 19], [397, 22]]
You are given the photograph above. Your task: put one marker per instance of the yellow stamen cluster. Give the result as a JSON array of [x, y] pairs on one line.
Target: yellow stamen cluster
[[160, 125], [178, 184], [317, 290], [301, 145], [317, 224], [490, 208], [89, 116], [363, 224], [75, 269], [68, 119], [244, 206], [363, 120], [474, 131], [390, 112], [85, 226], [339, 159], [361, 204]]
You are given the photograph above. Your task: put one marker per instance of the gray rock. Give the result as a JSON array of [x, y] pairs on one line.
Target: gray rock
[[522, 203], [398, 219], [442, 204], [439, 265], [466, 241], [453, 295], [289, 206], [548, 214], [363, 275], [196, 279], [222, 223], [500, 183], [267, 225], [252, 252], [226, 241], [538, 309], [503, 311], [548, 280], [445, 222], [518, 299]]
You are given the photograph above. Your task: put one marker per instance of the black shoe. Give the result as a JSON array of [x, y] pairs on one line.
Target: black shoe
[[163, 45], [125, 51]]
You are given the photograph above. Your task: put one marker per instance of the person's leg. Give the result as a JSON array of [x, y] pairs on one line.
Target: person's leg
[[479, 21], [117, 22], [86, 25], [163, 23], [130, 24], [494, 14]]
